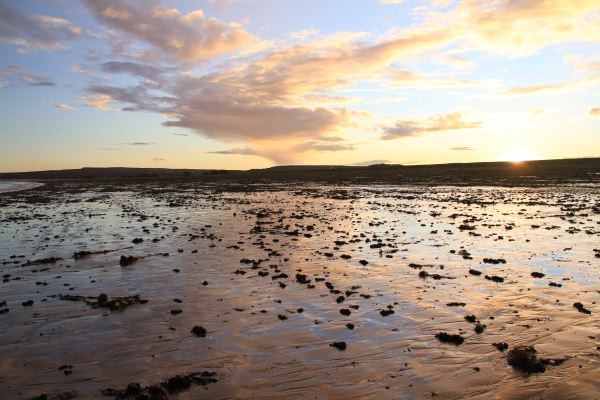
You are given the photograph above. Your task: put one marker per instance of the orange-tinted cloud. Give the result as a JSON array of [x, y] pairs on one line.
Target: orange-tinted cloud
[[440, 123], [188, 37]]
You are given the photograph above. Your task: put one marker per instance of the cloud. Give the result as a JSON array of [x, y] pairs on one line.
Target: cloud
[[187, 37], [15, 74], [462, 148], [595, 112], [402, 78], [159, 159], [132, 68], [245, 151], [270, 97], [372, 162], [441, 123], [139, 143], [286, 152], [520, 27], [285, 99], [554, 87], [64, 107], [101, 102], [35, 32], [243, 119]]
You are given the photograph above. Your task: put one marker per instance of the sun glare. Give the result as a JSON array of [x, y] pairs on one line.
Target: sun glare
[[517, 155]]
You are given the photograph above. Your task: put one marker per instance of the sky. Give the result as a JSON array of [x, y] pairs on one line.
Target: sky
[[240, 84]]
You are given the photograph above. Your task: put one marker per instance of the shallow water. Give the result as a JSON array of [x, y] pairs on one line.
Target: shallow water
[[208, 229], [13, 186]]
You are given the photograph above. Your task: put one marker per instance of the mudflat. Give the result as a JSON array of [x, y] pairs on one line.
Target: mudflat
[[222, 290]]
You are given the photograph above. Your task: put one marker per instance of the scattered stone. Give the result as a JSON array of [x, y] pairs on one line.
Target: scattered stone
[[579, 306], [471, 318], [495, 278], [103, 301], [162, 391], [127, 260], [199, 331], [501, 346], [341, 346], [524, 358], [450, 338]]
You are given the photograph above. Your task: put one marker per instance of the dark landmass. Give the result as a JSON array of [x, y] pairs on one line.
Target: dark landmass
[[527, 173]]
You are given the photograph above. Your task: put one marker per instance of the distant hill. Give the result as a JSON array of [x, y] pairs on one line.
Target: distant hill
[[483, 173], [113, 172]]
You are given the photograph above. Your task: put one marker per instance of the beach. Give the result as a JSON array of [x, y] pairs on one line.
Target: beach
[[254, 288]]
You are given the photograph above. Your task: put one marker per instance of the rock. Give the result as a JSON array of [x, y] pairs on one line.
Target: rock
[[450, 338], [66, 369], [471, 318], [537, 274], [301, 278], [495, 278], [199, 331], [579, 306], [127, 260], [474, 272], [341, 346], [524, 358], [102, 299], [500, 346], [494, 261], [163, 390], [345, 312]]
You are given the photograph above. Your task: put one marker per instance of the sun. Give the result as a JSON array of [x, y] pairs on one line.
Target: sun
[[517, 155]]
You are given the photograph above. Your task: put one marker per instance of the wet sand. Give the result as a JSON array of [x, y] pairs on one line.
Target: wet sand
[[277, 276]]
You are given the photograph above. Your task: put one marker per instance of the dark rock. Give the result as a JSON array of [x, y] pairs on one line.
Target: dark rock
[[199, 331], [500, 346], [341, 346], [579, 306], [127, 260], [449, 338], [495, 278], [524, 357], [471, 318]]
